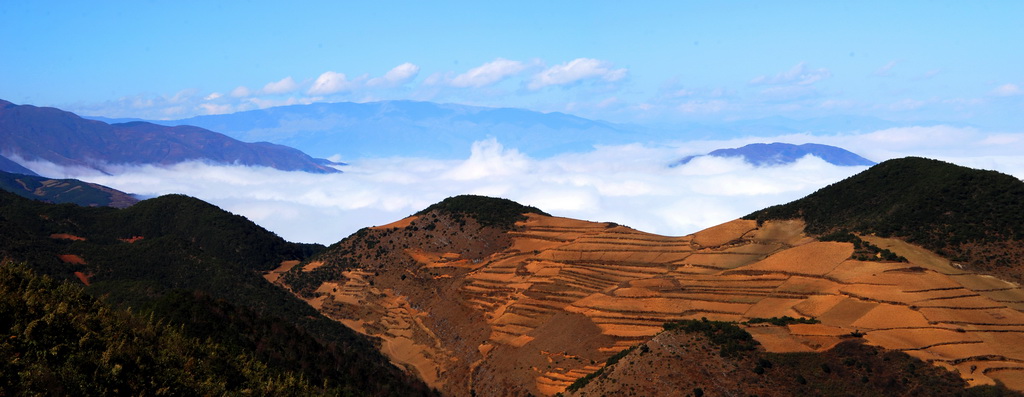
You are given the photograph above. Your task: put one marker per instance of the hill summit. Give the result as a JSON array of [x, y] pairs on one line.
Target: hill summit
[[489, 211], [973, 217]]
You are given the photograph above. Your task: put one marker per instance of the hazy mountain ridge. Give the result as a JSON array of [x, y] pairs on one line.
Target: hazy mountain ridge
[[412, 129], [63, 138], [427, 129], [772, 154]]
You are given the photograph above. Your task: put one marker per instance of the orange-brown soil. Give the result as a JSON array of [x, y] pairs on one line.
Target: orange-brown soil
[[84, 278], [555, 298], [275, 274], [65, 236], [71, 259], [397, 224], [132, 239]]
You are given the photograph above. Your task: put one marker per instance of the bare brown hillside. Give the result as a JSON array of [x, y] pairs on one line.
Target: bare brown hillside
[[530, 309]]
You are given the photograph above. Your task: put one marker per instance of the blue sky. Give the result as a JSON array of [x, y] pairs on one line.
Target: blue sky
[[656, 62]]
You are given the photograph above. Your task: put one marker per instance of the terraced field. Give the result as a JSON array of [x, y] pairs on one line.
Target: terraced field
[[566, 294]]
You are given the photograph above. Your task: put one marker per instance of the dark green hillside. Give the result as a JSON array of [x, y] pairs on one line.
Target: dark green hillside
[[488, 211], [57, 340], [191, 263], [971, 216]]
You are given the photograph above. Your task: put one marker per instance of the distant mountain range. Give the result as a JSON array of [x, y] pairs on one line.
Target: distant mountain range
[[428, 129], [411, 129], [63, 138], [769, 154]]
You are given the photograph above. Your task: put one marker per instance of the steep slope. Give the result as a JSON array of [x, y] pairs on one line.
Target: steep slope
[[974, 217], [410, 128], [9, 166], [64, 191], [58, 340], [533, 307], [63, 138], [198, 267], [769, 154]]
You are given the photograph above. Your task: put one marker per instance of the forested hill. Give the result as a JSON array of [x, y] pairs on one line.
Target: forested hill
[[199, 268], [58, 340], [64, 191], [488, 211], [972, 216]]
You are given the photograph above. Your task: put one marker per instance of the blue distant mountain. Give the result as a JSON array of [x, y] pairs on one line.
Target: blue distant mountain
[[64, 138], [412, 129], [770, 154], [8, 165], [446, 131]]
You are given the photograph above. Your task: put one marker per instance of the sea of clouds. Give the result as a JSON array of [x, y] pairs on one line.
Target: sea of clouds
[[630, 184]]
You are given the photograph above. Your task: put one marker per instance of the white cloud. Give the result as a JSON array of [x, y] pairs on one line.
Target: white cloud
[[213, 108], [1007, 90], [489, 159], [329, 83], [213, 96], [886, 69], [574, 71], [488, 73], [263, 103], [907, 104], [183, 96], [787, 93], [628, 184], [397, 76], [241, 92], [798, 75], [702, 106], [282, 86], [837, 104]]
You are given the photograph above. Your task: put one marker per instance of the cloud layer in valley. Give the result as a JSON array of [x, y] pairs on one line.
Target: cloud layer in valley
[[629, 184]]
